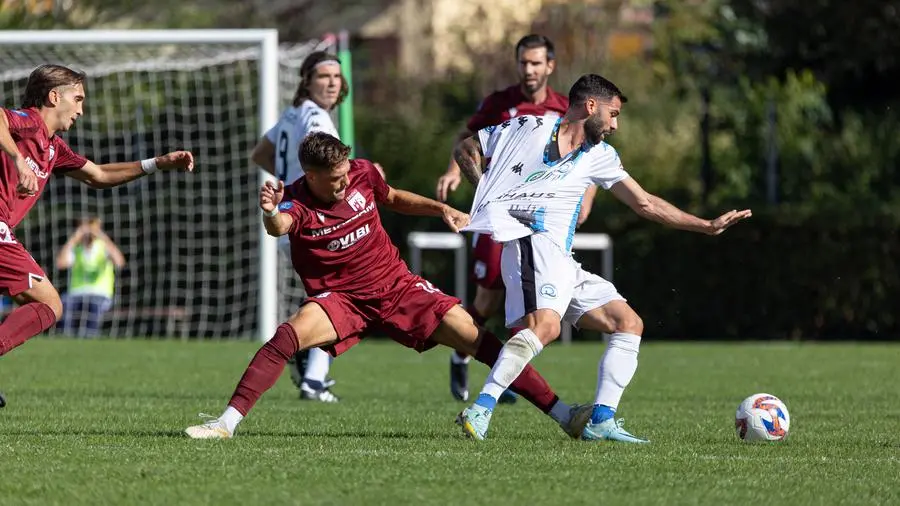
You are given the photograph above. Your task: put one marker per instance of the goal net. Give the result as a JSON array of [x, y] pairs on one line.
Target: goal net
[[191, 242]]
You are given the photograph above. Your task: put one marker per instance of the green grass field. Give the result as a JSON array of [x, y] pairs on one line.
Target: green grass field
[[100, 422]]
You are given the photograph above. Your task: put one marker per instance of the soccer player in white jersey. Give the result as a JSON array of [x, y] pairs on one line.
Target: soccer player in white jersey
[[322, 88], [531, 174]]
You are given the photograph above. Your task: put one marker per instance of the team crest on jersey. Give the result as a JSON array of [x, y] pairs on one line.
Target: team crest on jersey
[[549, 291], [6, 236], [356, 201]]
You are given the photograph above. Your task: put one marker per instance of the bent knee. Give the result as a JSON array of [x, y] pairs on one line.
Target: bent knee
[[57, 307], [547, 330], [630, 323]]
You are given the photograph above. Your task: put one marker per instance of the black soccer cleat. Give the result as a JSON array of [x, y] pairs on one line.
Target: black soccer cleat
[[508, 397], [310, 392], [459, 380]]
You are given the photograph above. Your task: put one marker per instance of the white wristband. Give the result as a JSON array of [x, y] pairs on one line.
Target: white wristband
[[149, 165], [272, 213]]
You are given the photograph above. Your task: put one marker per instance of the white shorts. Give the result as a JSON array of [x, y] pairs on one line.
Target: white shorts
[[538, 274]]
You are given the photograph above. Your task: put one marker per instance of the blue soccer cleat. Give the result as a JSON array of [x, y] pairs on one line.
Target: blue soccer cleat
[[475, 421], [609, 430]]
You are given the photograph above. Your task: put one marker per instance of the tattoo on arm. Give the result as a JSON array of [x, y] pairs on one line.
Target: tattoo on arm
[[470, 159]]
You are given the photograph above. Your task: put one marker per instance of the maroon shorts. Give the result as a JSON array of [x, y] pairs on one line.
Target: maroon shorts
[[408, 311], [486, 262], [18, 270]]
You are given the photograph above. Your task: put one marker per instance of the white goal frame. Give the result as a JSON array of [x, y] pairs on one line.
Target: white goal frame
[[267, 39]]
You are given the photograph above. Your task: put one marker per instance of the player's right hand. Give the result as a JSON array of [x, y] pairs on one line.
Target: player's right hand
[[270, 196], [28, 181], [455, 219], [447, 183], [722, 223]]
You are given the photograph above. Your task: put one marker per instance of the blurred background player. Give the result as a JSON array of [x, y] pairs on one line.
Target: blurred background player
[[92, 259], [536, 60], [53, 100], [322, 88]]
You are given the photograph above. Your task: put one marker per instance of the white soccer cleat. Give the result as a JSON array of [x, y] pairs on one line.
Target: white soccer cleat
[[212, 429]]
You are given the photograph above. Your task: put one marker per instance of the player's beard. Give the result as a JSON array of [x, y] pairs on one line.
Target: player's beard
[[535, 85], [595, 129]]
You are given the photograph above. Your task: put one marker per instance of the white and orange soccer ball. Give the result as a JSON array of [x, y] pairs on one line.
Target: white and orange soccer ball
[[762, 417]]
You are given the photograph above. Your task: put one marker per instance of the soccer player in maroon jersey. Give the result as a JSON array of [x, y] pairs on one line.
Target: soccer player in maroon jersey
[[32, 150], [357, 283], [532, 95]]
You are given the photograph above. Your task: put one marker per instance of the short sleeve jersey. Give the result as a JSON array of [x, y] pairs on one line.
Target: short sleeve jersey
[[524, 192], [42, 153], [510, 103], [342, 246], [293, 126]]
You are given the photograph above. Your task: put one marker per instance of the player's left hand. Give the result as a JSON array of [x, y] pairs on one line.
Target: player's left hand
[[176, 160], [455, 219], [720, 224]]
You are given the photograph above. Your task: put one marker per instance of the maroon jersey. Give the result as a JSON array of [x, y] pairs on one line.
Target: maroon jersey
[[510, 103], [342, 246], [44, 154]]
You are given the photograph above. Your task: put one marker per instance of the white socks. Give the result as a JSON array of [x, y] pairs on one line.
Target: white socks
[[317, 365], [231, 418], [616, 368], [514, 356]]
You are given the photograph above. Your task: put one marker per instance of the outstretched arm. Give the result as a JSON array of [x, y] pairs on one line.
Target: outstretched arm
[[653, 208], [470, 158], [114, 174], [405, 202]]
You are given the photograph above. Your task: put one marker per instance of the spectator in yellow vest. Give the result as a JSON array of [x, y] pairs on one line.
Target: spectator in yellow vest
[[92, 259]]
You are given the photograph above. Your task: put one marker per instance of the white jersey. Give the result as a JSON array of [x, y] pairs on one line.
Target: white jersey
[[522, 192], [293, 126]]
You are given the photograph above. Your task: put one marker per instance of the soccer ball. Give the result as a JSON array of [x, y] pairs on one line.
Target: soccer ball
[[762, 417]]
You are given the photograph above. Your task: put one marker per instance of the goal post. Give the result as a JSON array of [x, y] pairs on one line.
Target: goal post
[[198, 257]]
